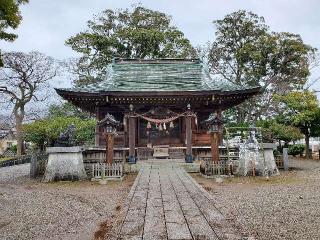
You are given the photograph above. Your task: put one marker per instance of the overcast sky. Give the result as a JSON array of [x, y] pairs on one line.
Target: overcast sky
[[47, 24]]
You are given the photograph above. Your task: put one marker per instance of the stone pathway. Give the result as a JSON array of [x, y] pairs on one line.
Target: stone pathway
[[166, 203]]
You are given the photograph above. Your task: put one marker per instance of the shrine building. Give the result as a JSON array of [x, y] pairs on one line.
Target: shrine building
[[168, 104]]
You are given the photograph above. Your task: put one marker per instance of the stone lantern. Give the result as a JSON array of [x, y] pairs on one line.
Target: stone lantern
[[110, 125]]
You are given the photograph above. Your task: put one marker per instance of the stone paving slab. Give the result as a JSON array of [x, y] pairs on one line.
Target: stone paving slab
[[166, 203]]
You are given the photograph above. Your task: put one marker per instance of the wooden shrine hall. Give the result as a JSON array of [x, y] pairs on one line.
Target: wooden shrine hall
[[158, 108]]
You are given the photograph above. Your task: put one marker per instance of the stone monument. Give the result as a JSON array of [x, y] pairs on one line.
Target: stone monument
[[65, 161]]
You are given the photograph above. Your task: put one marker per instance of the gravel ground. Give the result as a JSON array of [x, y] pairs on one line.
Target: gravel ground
[[30, 209], [283, 207]]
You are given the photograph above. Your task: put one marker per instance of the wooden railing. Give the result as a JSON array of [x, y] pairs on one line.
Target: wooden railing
[[144, 153], [104, 170], [209, 168], [279, 161], [224, 155]]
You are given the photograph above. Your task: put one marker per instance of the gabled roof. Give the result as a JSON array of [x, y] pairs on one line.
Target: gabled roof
[[109, 119], [160, 75]]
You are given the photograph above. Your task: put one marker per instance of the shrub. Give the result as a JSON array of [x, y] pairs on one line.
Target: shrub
[[276, 152], [46, 131], [296, 149], [13, 148]]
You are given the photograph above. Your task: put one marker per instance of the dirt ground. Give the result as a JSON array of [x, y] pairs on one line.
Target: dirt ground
[[30, 209], [283, 207]]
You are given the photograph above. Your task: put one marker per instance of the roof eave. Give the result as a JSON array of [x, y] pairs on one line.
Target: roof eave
[[253, 90]]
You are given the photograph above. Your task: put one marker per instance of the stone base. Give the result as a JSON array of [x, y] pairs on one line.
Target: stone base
[[102, 182], [107, 179], [65, 164]]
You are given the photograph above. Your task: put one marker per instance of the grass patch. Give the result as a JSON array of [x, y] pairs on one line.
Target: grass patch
[[258, 180], [128, 179], [283, 178]]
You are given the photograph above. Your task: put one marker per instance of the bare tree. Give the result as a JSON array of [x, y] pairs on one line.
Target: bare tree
[[24, 79]]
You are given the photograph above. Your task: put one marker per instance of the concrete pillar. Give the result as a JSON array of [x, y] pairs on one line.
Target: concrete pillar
[[285, 159], [33, 166]]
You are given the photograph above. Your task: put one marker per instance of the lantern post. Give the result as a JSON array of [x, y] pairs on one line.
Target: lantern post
[[110, 130], [214, 128]]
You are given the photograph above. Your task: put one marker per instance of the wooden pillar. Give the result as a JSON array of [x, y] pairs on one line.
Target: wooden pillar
[[132, 139], [216, 136], [109, 148], [189, 157], [97, 130], [220, 127], [215, 146]]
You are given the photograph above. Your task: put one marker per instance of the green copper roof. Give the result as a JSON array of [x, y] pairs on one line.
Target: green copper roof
[[158, 75]]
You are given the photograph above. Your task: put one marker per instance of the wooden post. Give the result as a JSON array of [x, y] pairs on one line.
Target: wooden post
[[97, 136], [215, 147], [219, 116], [188, 139], [97, 130], [132, 139], [109, 148]]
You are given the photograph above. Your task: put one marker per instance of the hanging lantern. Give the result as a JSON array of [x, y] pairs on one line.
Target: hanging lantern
[[149, 125], [196, 121], [160, 127], [171, 125], [164, 126]]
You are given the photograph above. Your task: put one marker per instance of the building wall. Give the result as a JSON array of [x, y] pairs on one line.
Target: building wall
[[6, 143]]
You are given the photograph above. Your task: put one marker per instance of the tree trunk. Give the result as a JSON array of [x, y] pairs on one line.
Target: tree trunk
[[19, 134], [307, 145], [240, 114]]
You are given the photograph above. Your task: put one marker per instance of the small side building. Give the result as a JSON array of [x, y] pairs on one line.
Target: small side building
[[7, 140]]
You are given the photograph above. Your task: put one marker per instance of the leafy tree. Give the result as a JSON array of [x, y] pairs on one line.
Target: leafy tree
[[285, 133], [9, 18], [23, 78], [45, 132], [135, 33], [273, 130], [302, 110], [36, 133], [67, 109], [246, 53]]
